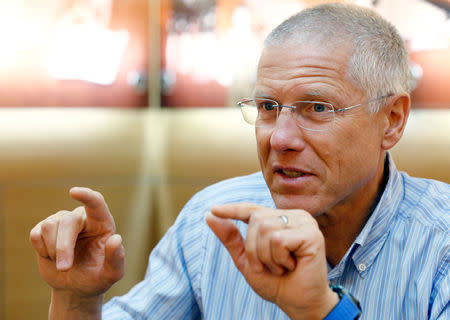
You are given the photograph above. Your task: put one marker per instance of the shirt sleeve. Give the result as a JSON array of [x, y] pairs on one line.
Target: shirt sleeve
[[170, 289]]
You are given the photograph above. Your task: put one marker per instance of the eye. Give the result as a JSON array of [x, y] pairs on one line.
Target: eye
[[319, 107], [266, 105]]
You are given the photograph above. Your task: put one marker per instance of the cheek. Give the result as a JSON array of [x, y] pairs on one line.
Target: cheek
[[342, 149], [262, 144], [358, 150]]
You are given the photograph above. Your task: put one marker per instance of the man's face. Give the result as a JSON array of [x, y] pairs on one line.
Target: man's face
[[317, 171]]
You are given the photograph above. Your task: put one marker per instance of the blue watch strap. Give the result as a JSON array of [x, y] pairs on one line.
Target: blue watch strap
[[344, 310]]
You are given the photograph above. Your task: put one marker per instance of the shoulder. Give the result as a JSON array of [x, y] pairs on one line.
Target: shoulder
[[427, 201], [249, 188], [425, 214]]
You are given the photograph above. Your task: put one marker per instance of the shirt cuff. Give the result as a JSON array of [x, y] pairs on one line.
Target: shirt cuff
[[346, 309]]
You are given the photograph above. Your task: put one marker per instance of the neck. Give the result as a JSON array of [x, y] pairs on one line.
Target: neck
[[341, 225]]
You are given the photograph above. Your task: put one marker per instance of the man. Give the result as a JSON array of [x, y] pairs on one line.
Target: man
[[329, 207]]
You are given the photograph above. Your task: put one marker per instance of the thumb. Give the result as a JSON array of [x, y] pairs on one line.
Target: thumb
[[114, 265], [230, 236]]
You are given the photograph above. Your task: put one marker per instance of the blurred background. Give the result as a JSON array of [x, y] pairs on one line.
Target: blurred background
[[137, 99], [177, 53]]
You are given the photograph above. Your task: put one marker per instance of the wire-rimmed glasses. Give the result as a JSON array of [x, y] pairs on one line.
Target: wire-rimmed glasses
[[309, 115]]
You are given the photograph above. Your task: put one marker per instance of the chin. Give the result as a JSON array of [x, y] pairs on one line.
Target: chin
[[308, 203]]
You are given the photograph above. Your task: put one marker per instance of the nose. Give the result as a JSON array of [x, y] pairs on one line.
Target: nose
[[287, 135]]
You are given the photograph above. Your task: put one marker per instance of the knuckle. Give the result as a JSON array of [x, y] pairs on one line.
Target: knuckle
[[305, 218], [303, 214], [48, 225], [59, 214], [278, 239], [265, 226], [254, 218], [74, 216], [71, 219], [35, 236], [317, 238]]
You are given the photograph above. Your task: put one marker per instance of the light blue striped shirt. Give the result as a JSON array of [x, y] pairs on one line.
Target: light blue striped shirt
[[398, 267]]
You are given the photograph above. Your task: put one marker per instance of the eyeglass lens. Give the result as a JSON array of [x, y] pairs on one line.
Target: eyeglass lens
[[312, 115]]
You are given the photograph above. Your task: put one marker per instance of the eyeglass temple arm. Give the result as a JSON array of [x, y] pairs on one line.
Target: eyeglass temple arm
[[360, 104]]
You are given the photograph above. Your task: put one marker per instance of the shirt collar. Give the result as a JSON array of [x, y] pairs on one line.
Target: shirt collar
[[370, 240]]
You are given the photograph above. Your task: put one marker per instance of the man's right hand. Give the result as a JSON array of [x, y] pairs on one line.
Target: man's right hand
[[79, 255]]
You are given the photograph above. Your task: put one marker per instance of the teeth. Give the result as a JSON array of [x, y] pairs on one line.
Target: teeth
[[292, 174]]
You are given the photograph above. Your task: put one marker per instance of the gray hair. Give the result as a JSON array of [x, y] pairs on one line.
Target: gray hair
[[378, 63]]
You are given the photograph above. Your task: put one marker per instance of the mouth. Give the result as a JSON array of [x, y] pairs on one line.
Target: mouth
[[291, 173]]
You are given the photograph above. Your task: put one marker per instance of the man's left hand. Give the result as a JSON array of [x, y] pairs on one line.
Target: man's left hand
[[284, 263]]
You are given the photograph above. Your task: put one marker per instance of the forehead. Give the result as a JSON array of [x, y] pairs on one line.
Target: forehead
[[302, 69]]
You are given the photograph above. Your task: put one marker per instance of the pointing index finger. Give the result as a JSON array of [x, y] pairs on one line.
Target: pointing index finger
[[237, 211]]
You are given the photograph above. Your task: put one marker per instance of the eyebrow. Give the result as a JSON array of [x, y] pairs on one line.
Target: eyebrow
[[260, 95], [307, 95]]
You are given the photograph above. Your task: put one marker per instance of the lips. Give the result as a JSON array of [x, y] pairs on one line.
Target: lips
[[291, 172]]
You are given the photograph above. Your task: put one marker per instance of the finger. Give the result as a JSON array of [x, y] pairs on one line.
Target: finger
[[279, 246], [230, 236], [303, 241], [238, 211], [114, 266], [49, 229], [268, 227], [251, 244], [70, 226], [95, 205], [37, 241]]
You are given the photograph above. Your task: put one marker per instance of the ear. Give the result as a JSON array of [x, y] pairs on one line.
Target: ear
[[396, 113]]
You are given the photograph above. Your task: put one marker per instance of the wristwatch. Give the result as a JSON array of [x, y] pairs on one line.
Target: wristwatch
[[347, 308]]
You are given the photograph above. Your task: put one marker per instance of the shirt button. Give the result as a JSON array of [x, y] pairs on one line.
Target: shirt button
[[362, 267]]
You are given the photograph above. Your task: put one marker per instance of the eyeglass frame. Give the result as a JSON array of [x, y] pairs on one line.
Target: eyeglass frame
[[334, 111]]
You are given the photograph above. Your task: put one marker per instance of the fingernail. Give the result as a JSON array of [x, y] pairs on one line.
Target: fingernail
[[61, 263]]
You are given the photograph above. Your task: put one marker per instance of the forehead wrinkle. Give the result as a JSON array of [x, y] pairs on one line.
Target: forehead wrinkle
[[312, 87], [322, 75], [318, 61], [301, 87], [299, 71], [309, 71]]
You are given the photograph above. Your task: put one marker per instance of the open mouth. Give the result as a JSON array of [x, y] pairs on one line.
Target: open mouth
[[291, 173]]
